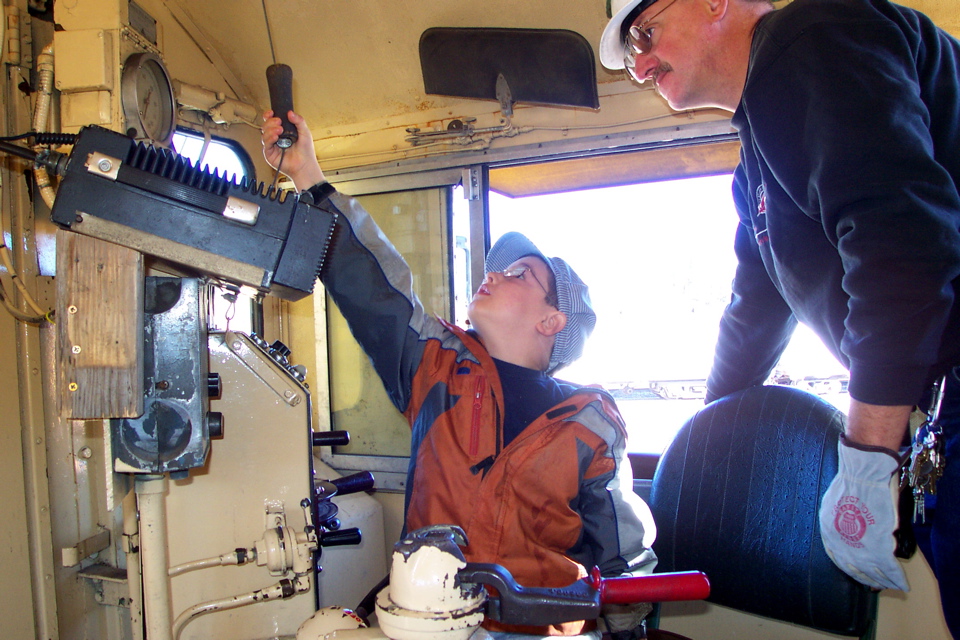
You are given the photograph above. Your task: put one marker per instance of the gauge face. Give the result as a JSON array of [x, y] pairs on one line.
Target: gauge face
[[147, 96]]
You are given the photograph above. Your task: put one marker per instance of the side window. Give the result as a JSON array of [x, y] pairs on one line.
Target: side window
[[417, 224], [227, 158]]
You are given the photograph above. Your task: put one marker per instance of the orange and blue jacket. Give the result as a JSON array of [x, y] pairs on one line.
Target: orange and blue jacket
[[556, 501]]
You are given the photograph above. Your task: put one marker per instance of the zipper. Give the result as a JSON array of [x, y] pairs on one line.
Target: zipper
[[475, 425]]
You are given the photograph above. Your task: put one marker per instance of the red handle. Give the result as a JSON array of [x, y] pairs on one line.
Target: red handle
[[657, 587]]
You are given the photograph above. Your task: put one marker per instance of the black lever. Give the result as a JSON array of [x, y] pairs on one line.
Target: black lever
[[341, 538], [280, 82], [330, 438], [360, 481]]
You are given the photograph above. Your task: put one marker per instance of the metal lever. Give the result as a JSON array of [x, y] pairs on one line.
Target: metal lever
[[531, 606], [581, 600]]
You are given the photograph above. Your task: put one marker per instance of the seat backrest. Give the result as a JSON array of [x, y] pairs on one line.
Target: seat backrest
[[736, 496]]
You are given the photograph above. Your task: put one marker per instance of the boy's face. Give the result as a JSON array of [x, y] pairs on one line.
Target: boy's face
[[515, 299]]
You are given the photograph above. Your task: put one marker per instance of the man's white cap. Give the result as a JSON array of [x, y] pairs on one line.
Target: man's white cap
[[611, 42]]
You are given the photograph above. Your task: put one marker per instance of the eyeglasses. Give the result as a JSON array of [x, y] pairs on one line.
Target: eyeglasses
[[639, 42], [518, 272]]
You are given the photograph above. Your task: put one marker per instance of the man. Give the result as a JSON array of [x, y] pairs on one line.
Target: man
[[849, 119], [533, 469]]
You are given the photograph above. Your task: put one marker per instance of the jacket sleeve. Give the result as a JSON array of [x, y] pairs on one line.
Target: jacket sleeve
[[757, 324], [372, 287], [618, 527]]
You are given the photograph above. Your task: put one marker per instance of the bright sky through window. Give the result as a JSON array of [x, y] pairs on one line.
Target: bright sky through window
[[659, 260]]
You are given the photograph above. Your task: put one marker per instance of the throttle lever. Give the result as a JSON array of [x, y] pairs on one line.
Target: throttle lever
[[581, 600], [515, 604], [280, 83]]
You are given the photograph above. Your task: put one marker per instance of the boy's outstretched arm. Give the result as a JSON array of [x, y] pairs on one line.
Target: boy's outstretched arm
[[299, 161]]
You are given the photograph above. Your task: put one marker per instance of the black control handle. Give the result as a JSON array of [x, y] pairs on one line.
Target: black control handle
[[341, 537], [280, 82], [330, 438], [360, 481]]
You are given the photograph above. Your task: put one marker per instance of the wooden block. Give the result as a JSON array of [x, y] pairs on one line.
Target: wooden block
[[99, 328]]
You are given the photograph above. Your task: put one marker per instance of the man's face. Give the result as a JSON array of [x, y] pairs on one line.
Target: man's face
[[669, 46]]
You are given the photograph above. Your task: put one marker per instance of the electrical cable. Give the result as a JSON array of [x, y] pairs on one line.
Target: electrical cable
[[40, 160], [276, 176], [18, 137], [18, 283], [16, 313], [8, 264]]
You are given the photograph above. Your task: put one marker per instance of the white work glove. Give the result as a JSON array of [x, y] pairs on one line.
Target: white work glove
[[858, 516]]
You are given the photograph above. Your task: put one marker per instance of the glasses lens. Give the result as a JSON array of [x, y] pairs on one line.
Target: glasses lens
[[637, 44], [638, 40]]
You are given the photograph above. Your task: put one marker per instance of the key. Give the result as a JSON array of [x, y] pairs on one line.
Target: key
[[926, 462]]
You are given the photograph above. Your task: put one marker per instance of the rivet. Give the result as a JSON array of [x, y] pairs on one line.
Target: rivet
[[85, 452], [104, 165]]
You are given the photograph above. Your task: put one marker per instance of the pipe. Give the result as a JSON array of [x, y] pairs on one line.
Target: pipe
[[221, 109], [283, 589], [134, 585], [154, 556], [236, 557]]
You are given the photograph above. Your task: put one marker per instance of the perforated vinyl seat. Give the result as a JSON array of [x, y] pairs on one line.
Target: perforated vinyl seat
[[736, 496]]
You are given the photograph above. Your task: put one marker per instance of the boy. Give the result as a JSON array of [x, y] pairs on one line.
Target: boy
[[531, 468]]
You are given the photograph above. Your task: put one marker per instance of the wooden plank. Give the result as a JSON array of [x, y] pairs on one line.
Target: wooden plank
[[99, 328]]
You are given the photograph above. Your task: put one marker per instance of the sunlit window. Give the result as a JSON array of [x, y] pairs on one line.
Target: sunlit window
[[226, 157], [659, 260]]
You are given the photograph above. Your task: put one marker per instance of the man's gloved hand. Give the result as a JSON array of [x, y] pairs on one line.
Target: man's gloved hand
[[858, 516]]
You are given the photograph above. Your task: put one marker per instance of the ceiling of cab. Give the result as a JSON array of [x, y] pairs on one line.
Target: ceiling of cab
[[357, 76], [358, 61]]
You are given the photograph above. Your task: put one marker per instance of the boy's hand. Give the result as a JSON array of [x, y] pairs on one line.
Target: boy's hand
[[299, 161]]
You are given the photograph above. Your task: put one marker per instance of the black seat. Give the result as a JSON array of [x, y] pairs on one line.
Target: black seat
[[736, 496]]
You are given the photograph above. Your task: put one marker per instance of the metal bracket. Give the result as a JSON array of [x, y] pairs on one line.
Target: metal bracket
[[109, 584], [71, 556]]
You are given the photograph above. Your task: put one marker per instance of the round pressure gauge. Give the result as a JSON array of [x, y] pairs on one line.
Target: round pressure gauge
[[146, 94]]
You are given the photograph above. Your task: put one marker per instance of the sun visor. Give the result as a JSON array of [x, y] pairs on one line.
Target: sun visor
[[538, 66]]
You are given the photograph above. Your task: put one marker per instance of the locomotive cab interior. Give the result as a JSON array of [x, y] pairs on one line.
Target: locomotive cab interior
[[204, 379]]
